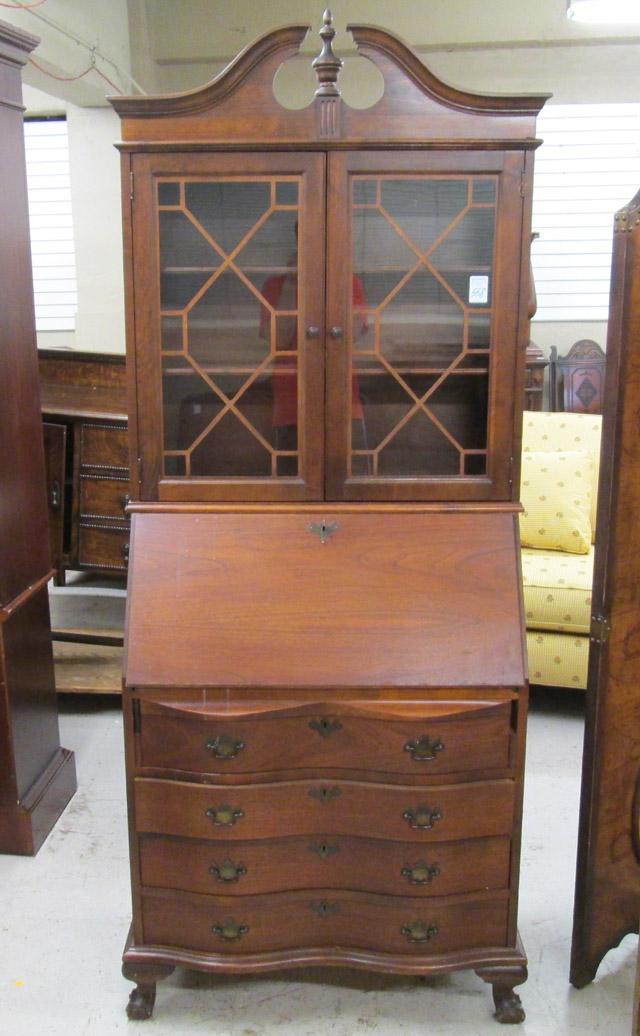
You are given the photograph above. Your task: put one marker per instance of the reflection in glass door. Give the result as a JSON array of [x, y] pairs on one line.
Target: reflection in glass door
[[229, 326], [423, 258]]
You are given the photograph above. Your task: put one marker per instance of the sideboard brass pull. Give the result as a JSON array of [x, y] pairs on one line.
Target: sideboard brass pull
[[224, 746], [418, 931], [424, 749], [230, 930], [225, 815], [325, 794], [227, 871], [324, 849], [422, 817], [325, 726], [420, 873]]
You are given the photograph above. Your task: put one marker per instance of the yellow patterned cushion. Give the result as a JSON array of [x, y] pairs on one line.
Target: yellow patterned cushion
[[564, 431], [557, 590], [555, 491], [557, 660]]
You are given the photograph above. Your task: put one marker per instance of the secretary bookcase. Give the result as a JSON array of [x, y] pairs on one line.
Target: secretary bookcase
[[325, 679]]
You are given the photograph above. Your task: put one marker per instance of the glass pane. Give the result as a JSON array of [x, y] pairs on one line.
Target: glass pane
[[421, 325], [229, 287]]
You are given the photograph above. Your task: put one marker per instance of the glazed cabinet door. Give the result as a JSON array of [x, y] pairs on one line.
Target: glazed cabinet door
[[228, 293], [425, 322]]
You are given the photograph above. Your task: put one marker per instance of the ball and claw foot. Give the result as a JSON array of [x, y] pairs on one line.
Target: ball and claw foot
[[509, 1009], [141, 1001]]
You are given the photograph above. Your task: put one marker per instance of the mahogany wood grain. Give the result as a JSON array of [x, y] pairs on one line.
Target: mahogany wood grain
[[607, 902], [294, 920], [364, 864], [472, 737], [37, 776], [426, 599], [334, 807]]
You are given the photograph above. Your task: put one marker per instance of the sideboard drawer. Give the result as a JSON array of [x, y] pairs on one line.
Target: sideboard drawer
[[404, 738], [103, 546], [326, 918], [295, 808], [104, 445], [281, 864], [103, 496]]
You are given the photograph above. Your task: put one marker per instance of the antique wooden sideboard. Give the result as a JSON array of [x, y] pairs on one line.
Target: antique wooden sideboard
[[37, 775], [325, 677], [83, 399]]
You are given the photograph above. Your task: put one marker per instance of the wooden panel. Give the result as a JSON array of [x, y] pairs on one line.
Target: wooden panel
[[103, 445], [607, 904], [426, 598], [275, 865], [295, 920], [103, 546], [55, 446], [471, 737], [331, 807], [103, 496]]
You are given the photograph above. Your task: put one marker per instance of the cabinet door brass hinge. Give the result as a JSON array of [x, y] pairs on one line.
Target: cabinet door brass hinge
[[600, 629], [131, 186], [522, 185]]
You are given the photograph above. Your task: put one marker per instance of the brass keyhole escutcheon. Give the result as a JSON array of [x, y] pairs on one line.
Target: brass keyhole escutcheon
[[324, 793], [325, 726]]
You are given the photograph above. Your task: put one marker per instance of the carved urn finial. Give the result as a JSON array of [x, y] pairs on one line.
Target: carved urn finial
[[327, 65]]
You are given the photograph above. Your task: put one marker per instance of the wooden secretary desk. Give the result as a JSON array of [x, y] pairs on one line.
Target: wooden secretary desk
[[325, 678]]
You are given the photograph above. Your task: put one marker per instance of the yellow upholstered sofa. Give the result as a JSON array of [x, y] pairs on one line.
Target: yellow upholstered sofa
[[557, 529]]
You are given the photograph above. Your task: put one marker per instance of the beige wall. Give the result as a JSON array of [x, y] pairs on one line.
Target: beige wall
[[496, 45]]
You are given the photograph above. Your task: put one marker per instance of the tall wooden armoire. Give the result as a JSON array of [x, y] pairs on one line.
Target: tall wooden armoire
[[325, 677], [37, 776], [607, 904]]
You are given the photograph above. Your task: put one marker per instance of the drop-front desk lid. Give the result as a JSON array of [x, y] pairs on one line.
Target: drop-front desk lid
[[335, 598]]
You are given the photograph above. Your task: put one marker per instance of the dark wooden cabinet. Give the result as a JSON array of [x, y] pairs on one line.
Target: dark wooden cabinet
[[37, 776], [83, 398], [325, 681], [607, 902]]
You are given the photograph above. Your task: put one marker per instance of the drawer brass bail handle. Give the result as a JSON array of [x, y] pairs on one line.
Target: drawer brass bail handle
[[225, 815], [422, 818], [420, 873], [227, 871], [418, 931], [230, 930], [325, 726], [424, 749], [224, 746]]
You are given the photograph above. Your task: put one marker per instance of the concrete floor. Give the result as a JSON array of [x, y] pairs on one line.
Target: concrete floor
[[64, 916]]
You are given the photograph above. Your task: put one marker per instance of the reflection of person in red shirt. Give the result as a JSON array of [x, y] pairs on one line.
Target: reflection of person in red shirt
[[281, 293]]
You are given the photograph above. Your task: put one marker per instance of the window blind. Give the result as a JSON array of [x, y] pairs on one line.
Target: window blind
[[52, 248], [587, 168]]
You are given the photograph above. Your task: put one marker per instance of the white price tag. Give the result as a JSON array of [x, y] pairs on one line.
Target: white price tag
[[479, 289]]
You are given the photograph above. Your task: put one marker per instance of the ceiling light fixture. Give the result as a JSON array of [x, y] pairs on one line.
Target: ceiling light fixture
[[604, 12]]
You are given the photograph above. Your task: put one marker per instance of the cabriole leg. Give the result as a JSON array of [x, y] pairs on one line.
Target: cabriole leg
[[509, 1010], [142, 998]]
